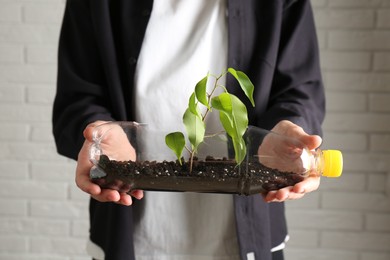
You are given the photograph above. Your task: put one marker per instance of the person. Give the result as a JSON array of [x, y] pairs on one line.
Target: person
[[137, 61]]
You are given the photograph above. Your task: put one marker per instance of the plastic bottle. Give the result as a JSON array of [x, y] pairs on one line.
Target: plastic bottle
[[273, 161]]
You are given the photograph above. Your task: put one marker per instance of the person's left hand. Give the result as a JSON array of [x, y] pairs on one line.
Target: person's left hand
[[115, 145], [310, 183]]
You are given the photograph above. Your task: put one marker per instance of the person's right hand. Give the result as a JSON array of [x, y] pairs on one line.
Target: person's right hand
[[123, 151], [269, 148]]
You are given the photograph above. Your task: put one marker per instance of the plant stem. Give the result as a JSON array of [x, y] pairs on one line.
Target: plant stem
[[211, 94], [191, 161]]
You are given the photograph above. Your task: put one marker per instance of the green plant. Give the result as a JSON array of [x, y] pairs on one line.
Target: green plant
[[233, 116]]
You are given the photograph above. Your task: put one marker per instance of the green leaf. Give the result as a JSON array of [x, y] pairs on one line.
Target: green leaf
[[222, 102], [234, 119], [239, 149], [195, 128], [234, 110], [192, 104], [227, 123], [240, 115], [245, 83], [201, 91], [176, 142]]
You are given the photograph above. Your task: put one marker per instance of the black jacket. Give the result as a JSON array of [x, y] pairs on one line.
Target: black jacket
[[272, 41]]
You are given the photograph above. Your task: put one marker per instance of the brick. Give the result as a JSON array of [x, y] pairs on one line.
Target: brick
[[383, 20], [350, 240], [43, 13], [377, 182], [11, 243], [356, 201], [32, 1], [80, 228], [53, 171], [359, 40], [378, 222], [345, 61], [381, 61], [365, 162], [34, 190], [59, 209], [318, 3], [349, 181], [10, 12], [302, 237], [380, 142], [350, 81], [364, 122], [13, 207], [320, 254], [344, 18], [11, 53], [34, 227], [41, 94], [14, 170], [325, 220], [29, 33], [42, 54], [28, 151], [66, 246], [355, 3], [80, 258], [28, 73], [375, 255], [14, 132], [77, 194], [346, 101], [345, 141], [42, 133], [309, 201], [25, 113], [379, 102], [11, 93], [30, 256]]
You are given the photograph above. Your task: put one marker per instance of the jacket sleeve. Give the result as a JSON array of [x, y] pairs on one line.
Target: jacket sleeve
[[80, 81], [297, 92]]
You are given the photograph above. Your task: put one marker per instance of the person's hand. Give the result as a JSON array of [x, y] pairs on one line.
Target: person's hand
[[310, 183], [118, 148]]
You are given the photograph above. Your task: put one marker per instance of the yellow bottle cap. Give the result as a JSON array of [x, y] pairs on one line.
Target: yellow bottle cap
[[333, 163]]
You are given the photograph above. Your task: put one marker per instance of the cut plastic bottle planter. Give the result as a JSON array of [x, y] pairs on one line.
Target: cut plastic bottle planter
[[129, 156]]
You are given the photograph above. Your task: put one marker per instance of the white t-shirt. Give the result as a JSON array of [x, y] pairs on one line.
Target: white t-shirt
[[184, 41]]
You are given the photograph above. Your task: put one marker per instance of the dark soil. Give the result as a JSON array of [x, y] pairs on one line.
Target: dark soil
[[209, 175]]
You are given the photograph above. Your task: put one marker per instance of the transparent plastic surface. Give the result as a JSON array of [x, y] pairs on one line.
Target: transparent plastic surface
[[129, 156]]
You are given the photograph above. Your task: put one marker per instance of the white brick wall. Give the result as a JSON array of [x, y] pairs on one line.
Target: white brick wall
[[44, 216], [349, 219]]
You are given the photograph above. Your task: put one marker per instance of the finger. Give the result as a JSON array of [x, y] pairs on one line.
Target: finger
[[276, 196], [138, 194], [310, 184], [271, 196], [283, 195], [84, 183], [88, 131], [311, 141], [125, 199], [107, 195]]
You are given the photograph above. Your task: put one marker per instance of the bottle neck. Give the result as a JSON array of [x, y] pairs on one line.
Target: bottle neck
[[319, 162]]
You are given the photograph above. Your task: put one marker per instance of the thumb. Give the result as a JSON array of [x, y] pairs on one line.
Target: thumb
[[89, 129], [311, 141]]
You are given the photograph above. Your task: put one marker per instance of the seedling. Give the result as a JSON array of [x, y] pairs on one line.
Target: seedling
[[233, 116]]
